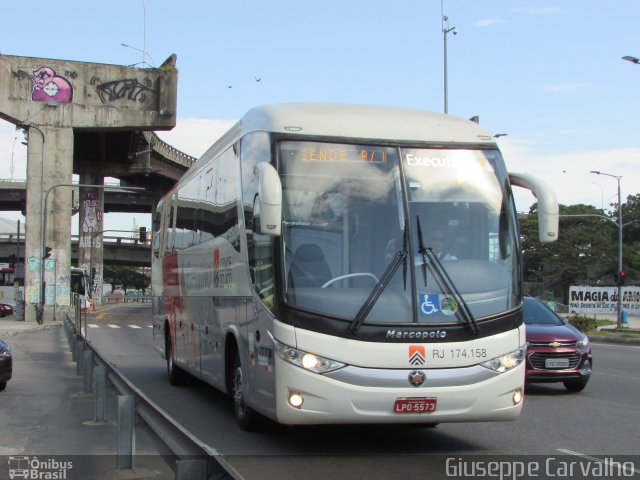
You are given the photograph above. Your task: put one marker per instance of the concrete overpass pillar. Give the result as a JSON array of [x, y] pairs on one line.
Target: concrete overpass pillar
[[50, 167], [50, 98], [91, 226]]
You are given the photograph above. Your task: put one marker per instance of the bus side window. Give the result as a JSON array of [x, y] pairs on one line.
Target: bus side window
[[206, 204], [227, 191], [185, 223], [168, 231], [156, 234]]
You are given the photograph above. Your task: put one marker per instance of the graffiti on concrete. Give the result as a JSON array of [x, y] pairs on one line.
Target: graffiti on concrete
[[129, 88], [49, 86], [20, 74], [92, 213], [91, 229]]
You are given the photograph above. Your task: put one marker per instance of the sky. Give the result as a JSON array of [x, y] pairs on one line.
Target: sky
[[547, 73]]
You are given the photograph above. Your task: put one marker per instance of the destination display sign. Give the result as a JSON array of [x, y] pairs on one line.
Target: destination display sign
[[337, 153], [343, 155]]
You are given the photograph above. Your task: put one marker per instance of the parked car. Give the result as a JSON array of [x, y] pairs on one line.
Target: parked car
[[6, 365], [5, 310], [556, 351]]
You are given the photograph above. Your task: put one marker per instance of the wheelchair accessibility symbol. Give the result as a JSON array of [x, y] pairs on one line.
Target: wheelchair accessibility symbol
[[427, 306]]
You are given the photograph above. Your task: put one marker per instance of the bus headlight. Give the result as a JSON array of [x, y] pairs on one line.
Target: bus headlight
[[309, 361], [506, 362]]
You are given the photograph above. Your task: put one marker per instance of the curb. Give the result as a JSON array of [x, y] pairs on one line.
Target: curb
[[18, 327], [616, 340]]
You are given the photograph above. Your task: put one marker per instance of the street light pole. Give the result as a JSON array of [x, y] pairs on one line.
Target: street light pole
[[445, 31], [617, 177], [144, 39]]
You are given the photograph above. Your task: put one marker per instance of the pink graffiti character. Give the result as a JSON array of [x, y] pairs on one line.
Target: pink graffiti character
[[47, 85]]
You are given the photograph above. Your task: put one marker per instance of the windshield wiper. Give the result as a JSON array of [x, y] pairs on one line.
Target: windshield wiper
[[444, 282], [399, 257], [422, 251]]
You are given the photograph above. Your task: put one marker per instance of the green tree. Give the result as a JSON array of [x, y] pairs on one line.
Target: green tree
[[125, 277], [584, 252]]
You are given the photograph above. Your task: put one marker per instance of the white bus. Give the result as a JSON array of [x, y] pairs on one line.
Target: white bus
[[80, 288], [294, 267]]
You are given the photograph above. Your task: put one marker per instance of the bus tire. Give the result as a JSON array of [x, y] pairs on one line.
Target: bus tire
[[246, 417], [173, 371]]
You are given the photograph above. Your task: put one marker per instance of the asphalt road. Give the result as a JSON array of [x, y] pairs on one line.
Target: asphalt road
[[589, 426]]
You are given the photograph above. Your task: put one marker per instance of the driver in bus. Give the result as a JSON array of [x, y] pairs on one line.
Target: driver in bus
[[436, 241]]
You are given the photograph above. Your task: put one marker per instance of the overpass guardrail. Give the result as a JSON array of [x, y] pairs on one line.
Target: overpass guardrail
[[196, 460]]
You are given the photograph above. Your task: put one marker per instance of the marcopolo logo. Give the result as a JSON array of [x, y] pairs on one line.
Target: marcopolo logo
[[35, 468]]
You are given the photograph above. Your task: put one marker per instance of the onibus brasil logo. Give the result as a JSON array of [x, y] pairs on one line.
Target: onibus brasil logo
[[34, 468]]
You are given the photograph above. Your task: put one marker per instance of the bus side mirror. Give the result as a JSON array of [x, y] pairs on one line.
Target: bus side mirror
[[548, 210], [270, 198]]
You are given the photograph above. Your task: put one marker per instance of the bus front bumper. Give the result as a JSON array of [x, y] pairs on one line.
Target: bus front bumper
[[357, 395]]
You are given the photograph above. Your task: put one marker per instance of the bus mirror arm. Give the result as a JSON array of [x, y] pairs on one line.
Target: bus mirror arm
[[270, 198], [548, 210]]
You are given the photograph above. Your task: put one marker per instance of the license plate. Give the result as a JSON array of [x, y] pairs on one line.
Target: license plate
[[556, 363], [415, 405]]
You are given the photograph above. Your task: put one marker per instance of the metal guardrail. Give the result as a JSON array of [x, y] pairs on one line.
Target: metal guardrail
[[197, 460]]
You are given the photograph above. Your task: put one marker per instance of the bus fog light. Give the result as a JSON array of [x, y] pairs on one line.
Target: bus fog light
[[517, 396], [296, 399]]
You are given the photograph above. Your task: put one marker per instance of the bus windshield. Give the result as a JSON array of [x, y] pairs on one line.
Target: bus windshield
[[349, 209]]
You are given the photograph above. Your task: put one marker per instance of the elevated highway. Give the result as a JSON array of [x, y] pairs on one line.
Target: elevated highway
[[137, 158], [117, 250], [151, 164], [13, 197]]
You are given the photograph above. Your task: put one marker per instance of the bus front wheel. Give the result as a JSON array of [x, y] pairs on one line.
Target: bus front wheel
[[174, 373], [246, 416]]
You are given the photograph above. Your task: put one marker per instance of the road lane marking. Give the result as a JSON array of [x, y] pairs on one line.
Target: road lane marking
[[606, 461], [93, 325], [134, 326], [111, 325]]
